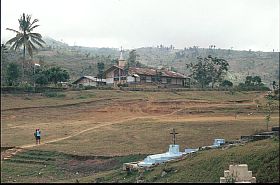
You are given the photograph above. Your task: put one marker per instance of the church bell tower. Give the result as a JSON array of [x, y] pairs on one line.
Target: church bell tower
[[121, 61]]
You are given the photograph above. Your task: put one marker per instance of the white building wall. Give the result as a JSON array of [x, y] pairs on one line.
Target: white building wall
[[163, 80], [109, 80], [90, 83], [179, 81], [148, 79], [130, 79], [87, 82], [173, 81]]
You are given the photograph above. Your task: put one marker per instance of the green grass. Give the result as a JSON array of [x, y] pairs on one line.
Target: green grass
[[54, 94], [49, 166], [32, 166]]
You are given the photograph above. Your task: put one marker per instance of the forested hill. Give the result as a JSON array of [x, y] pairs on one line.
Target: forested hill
[[241, 63], [80, 60]]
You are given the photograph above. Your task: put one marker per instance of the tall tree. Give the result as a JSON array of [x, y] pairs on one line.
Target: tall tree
[[100, 67], [219, 67], [208, 70], [25, 37], [200, 71], [57, 74], [257, 80], [253, 81], [132, 59], [227, 83], [12, 73]]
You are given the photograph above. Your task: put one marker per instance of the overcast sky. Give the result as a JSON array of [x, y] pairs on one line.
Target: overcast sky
[[241, 24]]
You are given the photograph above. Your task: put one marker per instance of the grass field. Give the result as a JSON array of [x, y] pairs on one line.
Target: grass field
[[120, 123]]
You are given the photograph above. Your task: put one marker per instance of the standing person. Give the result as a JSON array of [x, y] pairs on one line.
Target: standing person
[[37, 135]]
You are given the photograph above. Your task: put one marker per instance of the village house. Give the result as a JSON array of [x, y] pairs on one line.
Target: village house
[[117, 74], [89, 81]]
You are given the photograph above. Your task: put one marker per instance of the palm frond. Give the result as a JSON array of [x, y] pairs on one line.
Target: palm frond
[[29, 49], [38, 39], [38, 35], [16, 44], [13, 46], [19, 43], [31, 26], [12, 40], [34, 21], [30, 29], [13, 30], [36, 42], [28, 18], [33, 47]]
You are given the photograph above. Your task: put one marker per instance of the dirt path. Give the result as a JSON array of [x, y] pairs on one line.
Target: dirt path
[[11, 152], [7, 154], [98, 126], [166, 117]]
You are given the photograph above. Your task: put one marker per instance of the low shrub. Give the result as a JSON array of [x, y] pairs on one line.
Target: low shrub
[[53, 94]]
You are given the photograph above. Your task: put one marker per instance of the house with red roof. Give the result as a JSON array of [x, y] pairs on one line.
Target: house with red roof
[[117, 74]]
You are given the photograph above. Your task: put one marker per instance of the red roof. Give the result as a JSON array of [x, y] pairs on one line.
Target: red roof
[[153, 72], [112, 68]]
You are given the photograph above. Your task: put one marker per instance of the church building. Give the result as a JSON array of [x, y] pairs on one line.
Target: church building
[[117, 74]]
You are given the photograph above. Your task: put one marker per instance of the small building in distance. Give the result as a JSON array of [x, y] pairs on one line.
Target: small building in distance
[[118, 74], [89, 81]]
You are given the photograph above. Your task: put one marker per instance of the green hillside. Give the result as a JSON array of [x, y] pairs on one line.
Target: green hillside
[[83, 60], [262, 158]]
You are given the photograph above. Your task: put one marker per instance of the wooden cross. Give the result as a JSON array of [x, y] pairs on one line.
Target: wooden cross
[[174, 134]]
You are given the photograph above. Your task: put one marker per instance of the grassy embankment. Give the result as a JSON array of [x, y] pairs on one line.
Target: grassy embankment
[[262, 158], [32, 166]]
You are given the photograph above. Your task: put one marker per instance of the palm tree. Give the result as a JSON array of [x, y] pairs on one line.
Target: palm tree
[[25, 37]]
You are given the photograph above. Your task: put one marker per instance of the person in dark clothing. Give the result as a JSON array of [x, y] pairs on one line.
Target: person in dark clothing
[[37, 135]]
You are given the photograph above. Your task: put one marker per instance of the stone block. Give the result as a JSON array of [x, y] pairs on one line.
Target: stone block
[[240, 173], [222, 180], [226, 173]]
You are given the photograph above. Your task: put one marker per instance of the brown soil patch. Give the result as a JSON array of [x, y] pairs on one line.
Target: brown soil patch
[[65, 122], [88, 165]]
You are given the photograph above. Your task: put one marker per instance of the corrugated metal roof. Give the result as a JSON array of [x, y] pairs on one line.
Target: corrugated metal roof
[[154, 72], [89, 77]]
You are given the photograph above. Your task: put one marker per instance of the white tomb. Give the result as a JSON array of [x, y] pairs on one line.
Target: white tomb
[[191, 150], [218, 142], [172, 153], [239, 174]]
